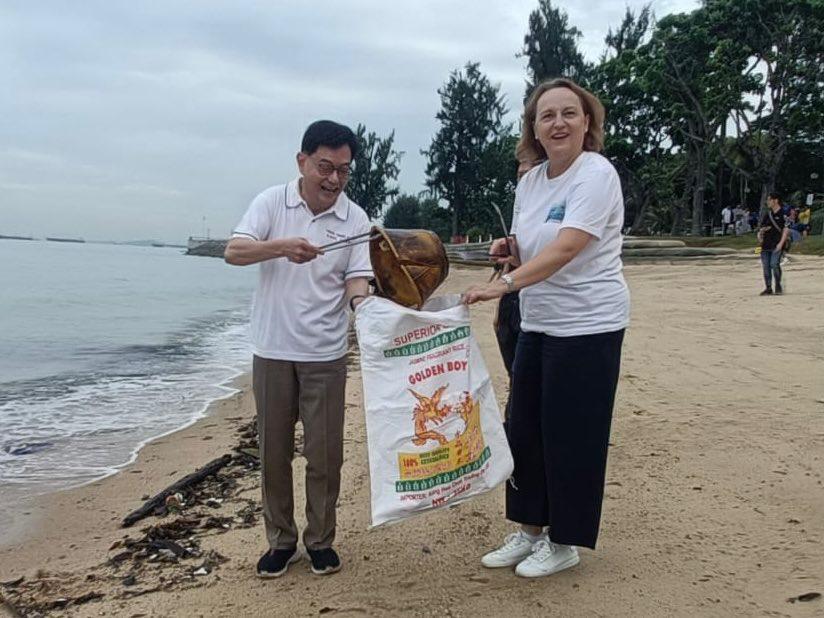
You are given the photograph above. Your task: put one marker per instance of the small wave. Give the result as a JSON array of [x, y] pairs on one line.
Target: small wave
[[79, 426], [130, 362], [24, 448]]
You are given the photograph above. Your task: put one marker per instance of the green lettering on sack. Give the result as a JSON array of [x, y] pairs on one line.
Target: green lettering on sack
[[422, 347]]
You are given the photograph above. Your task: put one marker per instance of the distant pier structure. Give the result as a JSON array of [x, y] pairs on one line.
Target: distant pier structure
[[633, 249], [210, 247]]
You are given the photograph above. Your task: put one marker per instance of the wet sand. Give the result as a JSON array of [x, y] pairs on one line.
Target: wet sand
[[714, 505]]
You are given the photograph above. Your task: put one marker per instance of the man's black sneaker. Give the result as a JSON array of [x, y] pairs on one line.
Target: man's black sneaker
[[779, 289], [275, 562], [324, 561], [767, 292]]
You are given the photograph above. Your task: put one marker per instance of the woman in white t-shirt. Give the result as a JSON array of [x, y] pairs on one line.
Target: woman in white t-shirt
[[567, 223]]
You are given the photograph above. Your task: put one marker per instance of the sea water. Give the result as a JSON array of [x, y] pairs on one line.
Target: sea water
[[104, 347]]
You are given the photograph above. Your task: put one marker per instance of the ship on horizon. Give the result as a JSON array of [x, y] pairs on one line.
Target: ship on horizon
[[13, 237], [58, 239]]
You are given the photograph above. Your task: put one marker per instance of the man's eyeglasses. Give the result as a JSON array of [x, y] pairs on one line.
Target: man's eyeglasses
[[325, 168]]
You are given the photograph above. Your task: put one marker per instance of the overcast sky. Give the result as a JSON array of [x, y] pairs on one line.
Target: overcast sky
[[135, 120]]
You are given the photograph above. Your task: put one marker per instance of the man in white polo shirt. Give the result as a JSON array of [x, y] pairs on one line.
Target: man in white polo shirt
[[299, 335]]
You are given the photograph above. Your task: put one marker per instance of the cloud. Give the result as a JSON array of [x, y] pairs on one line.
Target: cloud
[[190, 108]]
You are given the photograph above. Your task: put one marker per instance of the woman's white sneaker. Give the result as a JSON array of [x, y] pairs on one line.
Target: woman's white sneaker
[[516, 547], [547, 558]]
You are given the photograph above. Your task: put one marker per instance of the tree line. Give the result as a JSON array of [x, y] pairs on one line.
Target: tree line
[[716, 107]]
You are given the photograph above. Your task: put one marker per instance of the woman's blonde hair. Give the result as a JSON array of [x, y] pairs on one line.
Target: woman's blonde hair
[[530, 149]]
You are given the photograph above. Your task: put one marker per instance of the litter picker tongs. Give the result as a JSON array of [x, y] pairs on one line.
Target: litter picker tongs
[[499, 270], [351, 241]]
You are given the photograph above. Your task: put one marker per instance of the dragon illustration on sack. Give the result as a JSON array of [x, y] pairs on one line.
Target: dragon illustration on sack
[[429, 410]]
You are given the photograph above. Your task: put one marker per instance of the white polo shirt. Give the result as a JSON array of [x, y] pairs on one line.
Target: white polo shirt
[[298, 313]]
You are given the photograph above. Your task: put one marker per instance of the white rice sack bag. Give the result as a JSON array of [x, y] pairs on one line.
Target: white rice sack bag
[[433, 427]]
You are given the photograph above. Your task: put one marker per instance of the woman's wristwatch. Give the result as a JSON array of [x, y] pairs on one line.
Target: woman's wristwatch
[[510, 283]]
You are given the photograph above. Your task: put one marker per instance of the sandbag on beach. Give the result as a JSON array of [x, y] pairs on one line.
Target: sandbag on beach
[[434, 431]]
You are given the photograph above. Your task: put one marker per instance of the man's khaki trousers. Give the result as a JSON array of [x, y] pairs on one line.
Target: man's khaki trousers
[[313, 392]]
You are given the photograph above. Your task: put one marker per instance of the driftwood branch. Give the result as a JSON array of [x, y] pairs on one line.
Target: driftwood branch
[[187, 481]]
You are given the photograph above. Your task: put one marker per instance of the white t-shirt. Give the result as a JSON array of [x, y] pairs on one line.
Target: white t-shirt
[[726, 214], [299, 312], [588, 295]]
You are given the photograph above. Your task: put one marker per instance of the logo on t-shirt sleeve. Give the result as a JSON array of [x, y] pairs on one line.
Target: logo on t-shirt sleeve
[[556, 213]]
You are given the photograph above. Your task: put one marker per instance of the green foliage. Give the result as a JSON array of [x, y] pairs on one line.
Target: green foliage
[[696, 76], [470, 122], [377, 164], [409, 212], [802, 169], [783, 102], [630, 33], [436, 218], [404, 214], [637, 133], [709, 108], [474, 233], [817, 222], [551, 46], [499, 169]]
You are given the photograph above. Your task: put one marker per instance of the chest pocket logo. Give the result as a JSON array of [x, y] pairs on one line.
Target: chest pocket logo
[[333, 235], [556, 213]]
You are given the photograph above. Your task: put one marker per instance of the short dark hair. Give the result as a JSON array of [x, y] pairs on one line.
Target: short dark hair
[[774, 196], [328, 133]]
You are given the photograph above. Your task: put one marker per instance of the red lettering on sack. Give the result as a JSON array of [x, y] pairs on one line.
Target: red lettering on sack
[[418, 333], [423, 374], [436, 370]]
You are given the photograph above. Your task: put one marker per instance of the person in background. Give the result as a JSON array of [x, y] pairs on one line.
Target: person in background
[[568, 216], [299, 324], [739, 220], [772, 236], [726, 219], [507, 320], [804, 221], [794, 226], [752, 217]]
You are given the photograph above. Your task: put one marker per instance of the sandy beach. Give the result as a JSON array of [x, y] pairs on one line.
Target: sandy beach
[[714, 502]]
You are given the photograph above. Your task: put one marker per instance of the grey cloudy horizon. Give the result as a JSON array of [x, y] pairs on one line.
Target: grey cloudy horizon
[[126, 121]]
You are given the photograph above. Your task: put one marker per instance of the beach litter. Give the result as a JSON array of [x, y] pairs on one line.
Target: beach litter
[[172, 497], [805, 598], [167, 554], [174, 503], [31, 607]]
